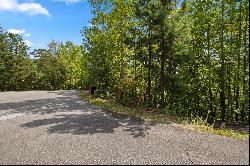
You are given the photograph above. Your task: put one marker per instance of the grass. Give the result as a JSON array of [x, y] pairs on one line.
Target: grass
[[155, 116], [223, 132], [131, 111]]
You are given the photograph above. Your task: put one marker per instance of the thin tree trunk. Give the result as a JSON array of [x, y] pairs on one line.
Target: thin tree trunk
[[238, 68], [165, 5], [135, 65], [209, 71], [244, 69], [149, 97], [222, 90], [122, 71], [162, 74], [229, 75]]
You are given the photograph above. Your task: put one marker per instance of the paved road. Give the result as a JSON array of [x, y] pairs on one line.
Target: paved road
[[58, 127]]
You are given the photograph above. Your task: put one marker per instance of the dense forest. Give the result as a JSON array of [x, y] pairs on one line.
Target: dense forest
[[188, 58]]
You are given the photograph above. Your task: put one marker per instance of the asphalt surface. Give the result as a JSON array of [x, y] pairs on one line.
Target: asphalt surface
[[58, 127]]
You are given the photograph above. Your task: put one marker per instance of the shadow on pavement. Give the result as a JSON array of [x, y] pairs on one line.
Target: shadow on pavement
[[90, 120], [65, 101], [92, 123]]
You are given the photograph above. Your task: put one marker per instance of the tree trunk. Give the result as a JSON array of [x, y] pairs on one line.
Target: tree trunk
[[238, 68], [229, 75], [209, 71], [162, 73], [244, 70], [149, 97], [222, 72]]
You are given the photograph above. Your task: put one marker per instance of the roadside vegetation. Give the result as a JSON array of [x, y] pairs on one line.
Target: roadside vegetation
[[160, 117], [188, 59]]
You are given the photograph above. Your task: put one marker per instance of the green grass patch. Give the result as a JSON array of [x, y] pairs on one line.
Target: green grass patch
[[156, 116], [223, 132], [131, 111]]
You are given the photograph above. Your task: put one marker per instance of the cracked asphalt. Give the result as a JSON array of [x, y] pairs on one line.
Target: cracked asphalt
[[59, 127]]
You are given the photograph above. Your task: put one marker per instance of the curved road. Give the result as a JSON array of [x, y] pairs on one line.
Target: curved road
[[58, 127]]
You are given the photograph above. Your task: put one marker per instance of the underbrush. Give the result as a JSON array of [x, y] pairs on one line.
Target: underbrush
[[159, 116]]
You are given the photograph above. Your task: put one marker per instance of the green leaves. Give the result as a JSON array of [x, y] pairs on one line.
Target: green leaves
[[153, 52], [193, 59], [60, 66], [15, 65]]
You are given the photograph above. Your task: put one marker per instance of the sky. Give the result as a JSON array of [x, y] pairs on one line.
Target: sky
[[41, 21]]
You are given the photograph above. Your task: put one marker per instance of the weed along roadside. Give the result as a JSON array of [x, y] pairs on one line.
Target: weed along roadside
[[155, 116]]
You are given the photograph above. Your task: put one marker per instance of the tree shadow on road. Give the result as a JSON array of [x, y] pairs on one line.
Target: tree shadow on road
[[64, 102], [88, 119], [91, 123]]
